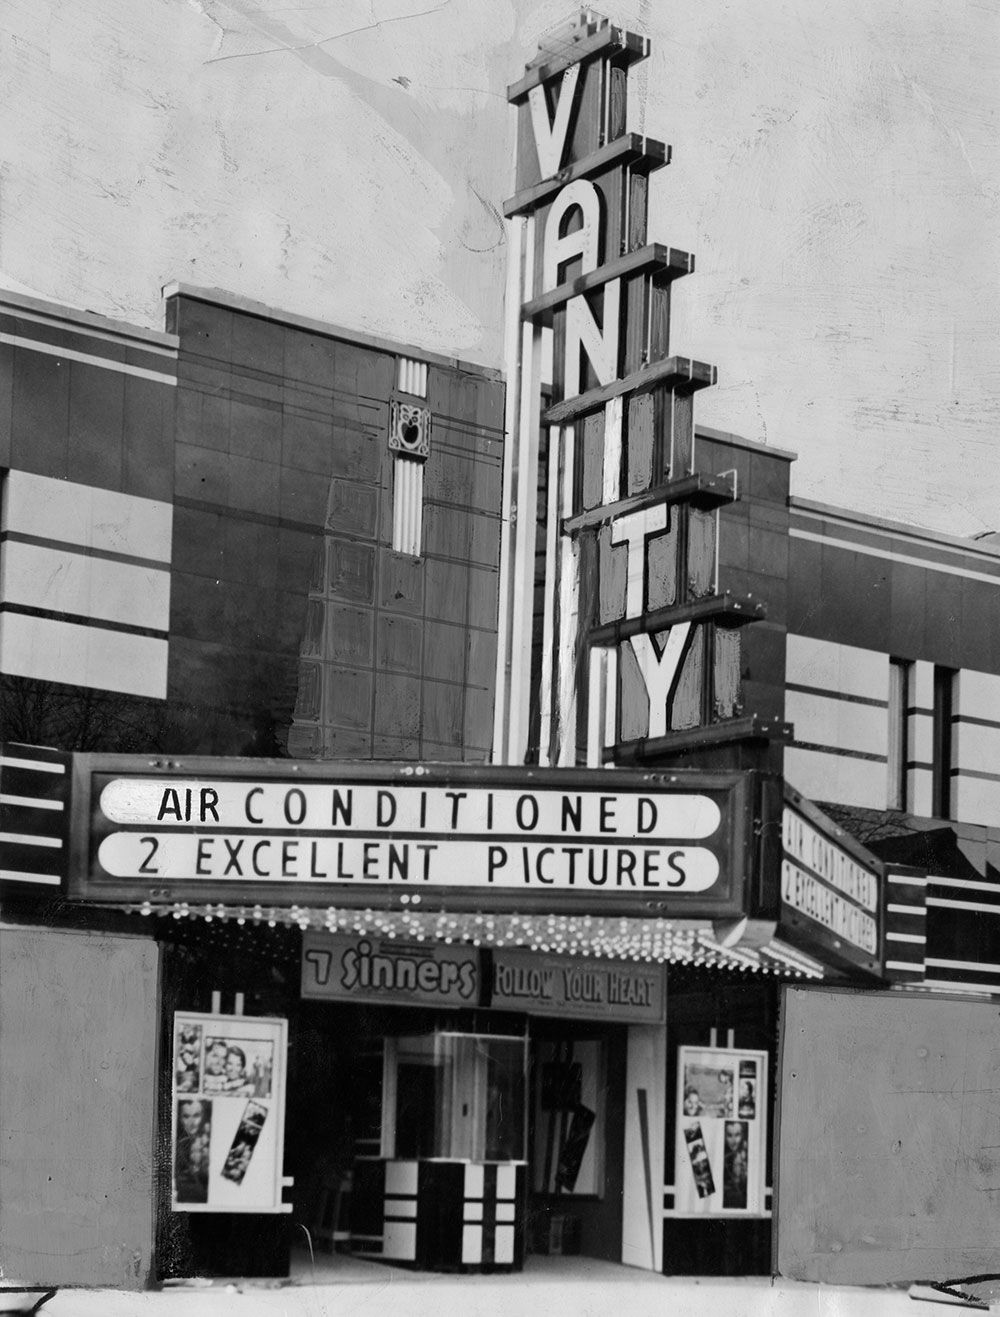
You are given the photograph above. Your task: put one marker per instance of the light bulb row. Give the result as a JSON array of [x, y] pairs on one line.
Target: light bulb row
[[657, 941]]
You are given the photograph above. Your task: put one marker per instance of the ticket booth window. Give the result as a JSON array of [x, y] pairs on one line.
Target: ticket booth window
[[455, 1095]]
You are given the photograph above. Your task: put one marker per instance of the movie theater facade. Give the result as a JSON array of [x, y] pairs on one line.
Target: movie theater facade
[[294, 943]]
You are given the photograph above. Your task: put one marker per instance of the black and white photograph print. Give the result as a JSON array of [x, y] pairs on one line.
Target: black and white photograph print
[[701, 1167], [735, 1164], [238, 1067], [708, 1090], [187, 1058], [244, 1142], [192, 1141]]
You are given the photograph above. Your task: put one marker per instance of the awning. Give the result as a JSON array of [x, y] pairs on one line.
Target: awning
[[659, 941]]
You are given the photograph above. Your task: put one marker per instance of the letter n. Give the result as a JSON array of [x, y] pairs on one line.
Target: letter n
[[600, 342]]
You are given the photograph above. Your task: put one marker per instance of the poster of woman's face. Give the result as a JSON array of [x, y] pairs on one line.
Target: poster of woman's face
[[734, 1164], [238, 1067], [191, 1149]]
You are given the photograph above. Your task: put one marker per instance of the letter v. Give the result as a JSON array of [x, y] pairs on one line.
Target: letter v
[[659, 672], [550, 139]]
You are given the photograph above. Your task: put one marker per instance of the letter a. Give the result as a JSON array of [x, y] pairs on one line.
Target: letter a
[[550, 138], [170, 804]]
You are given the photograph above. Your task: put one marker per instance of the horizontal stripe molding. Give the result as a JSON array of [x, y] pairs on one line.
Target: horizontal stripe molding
[[876, 544], [78, 619], [89, 359], [953, 903], [822, 693], [814, 748], [82, 550], [132, 352], [34, 818], [964, 966], [973, 884]]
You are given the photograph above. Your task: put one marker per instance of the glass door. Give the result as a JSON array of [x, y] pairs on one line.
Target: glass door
[[455, 1096]]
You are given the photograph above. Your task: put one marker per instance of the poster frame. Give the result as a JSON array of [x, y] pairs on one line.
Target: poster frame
[[713, 1129], [263, 1042]]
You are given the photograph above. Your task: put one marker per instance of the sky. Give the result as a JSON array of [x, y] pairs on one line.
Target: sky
[[834, 172]]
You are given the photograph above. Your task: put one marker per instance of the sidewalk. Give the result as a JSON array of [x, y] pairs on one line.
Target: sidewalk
[[548, 1287]]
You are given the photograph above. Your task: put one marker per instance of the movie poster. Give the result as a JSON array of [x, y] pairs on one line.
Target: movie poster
[[228, 1113], [720, 1146]]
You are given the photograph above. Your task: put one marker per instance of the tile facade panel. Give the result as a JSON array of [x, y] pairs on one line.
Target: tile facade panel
[[734, 542], [444, 651], [838, 779], [314, 636], [397, 709], [397, 747], [943, 614], [471, 476], [975, 799], [907, 636], [202, 473], [482, 658], [300, 556], [443, 712], [351, 570], [980, 626], [199, 541], [255, 430], [40, 413], [303, 498], [448, 586], [347, 697], [839, 724], [764, 698], [977, 695], [307, 442], [148, 458], [241, 549], [363, 371], [204, 328], [338, 743], [258, 344], [357, 454], [349, 635], [6, 401], [769, 477], [96, 425], [197, 607], [400, 644], [478, 719], [352, 509], [254, 486], [401, 582], [310, 357]]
